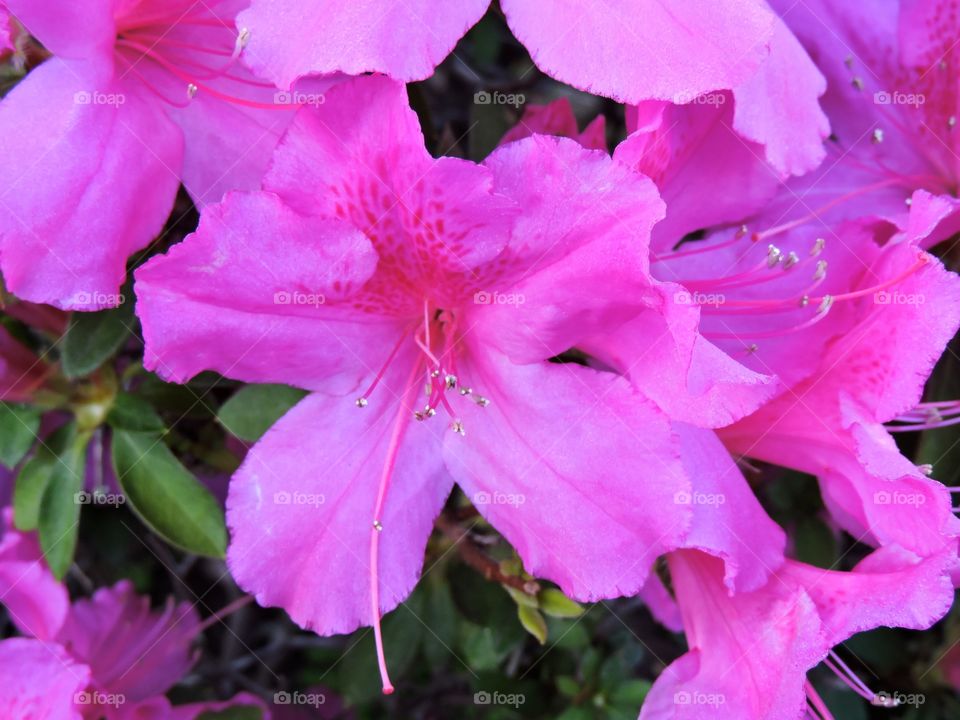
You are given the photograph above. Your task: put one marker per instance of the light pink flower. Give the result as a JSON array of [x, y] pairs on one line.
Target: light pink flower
[[95, 141], [367, 270]]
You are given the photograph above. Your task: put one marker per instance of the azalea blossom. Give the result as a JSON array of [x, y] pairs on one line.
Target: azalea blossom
[[109, 656], [750, 652], [757, 621], [802, 302], [420, 301], [892, 71], [628, 50], [137, 97]]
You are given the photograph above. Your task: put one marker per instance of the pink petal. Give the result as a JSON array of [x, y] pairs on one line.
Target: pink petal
[[749, 654], [633, 50], [36, 600], [664, 355], [778, 106], [131, 650], [585, 207], [91, 184], [728, 521], [255, 293], [404, 40], [891, 587], [301, 511], [360, 157], [706, 173], [70, 30], [574, 468], [39, 681]]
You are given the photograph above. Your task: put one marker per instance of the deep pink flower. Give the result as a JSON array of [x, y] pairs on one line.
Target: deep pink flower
[[750, 652], [848, 319], [109, 656], [757, 621], [629, 50], [893, 71], [95, 141], [557, 118], [367, 270]]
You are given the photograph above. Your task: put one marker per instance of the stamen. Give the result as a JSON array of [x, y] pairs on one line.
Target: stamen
[[376, 530], [362, 400], [850, 678]]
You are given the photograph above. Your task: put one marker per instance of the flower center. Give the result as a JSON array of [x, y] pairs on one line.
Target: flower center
[[436, 337]]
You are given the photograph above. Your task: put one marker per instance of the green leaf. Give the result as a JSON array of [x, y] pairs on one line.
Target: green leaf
[[135, 414], [237, 712], [556, 604], [59, 514], [28, 491], [630, 693], [92, 338], [533, 622], [255, 408], [522, 598], [18, 431], [166, 496], [567, 685]]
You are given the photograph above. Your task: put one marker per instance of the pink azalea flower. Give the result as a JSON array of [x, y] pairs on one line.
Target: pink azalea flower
[[756, 621], [750, 652], [804, 302], [110, 656], [137, 97], [557, 118], [629, 50], [892, 70], [368, 270]]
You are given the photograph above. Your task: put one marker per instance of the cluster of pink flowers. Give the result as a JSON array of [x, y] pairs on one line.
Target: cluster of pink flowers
[[747, 275]]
